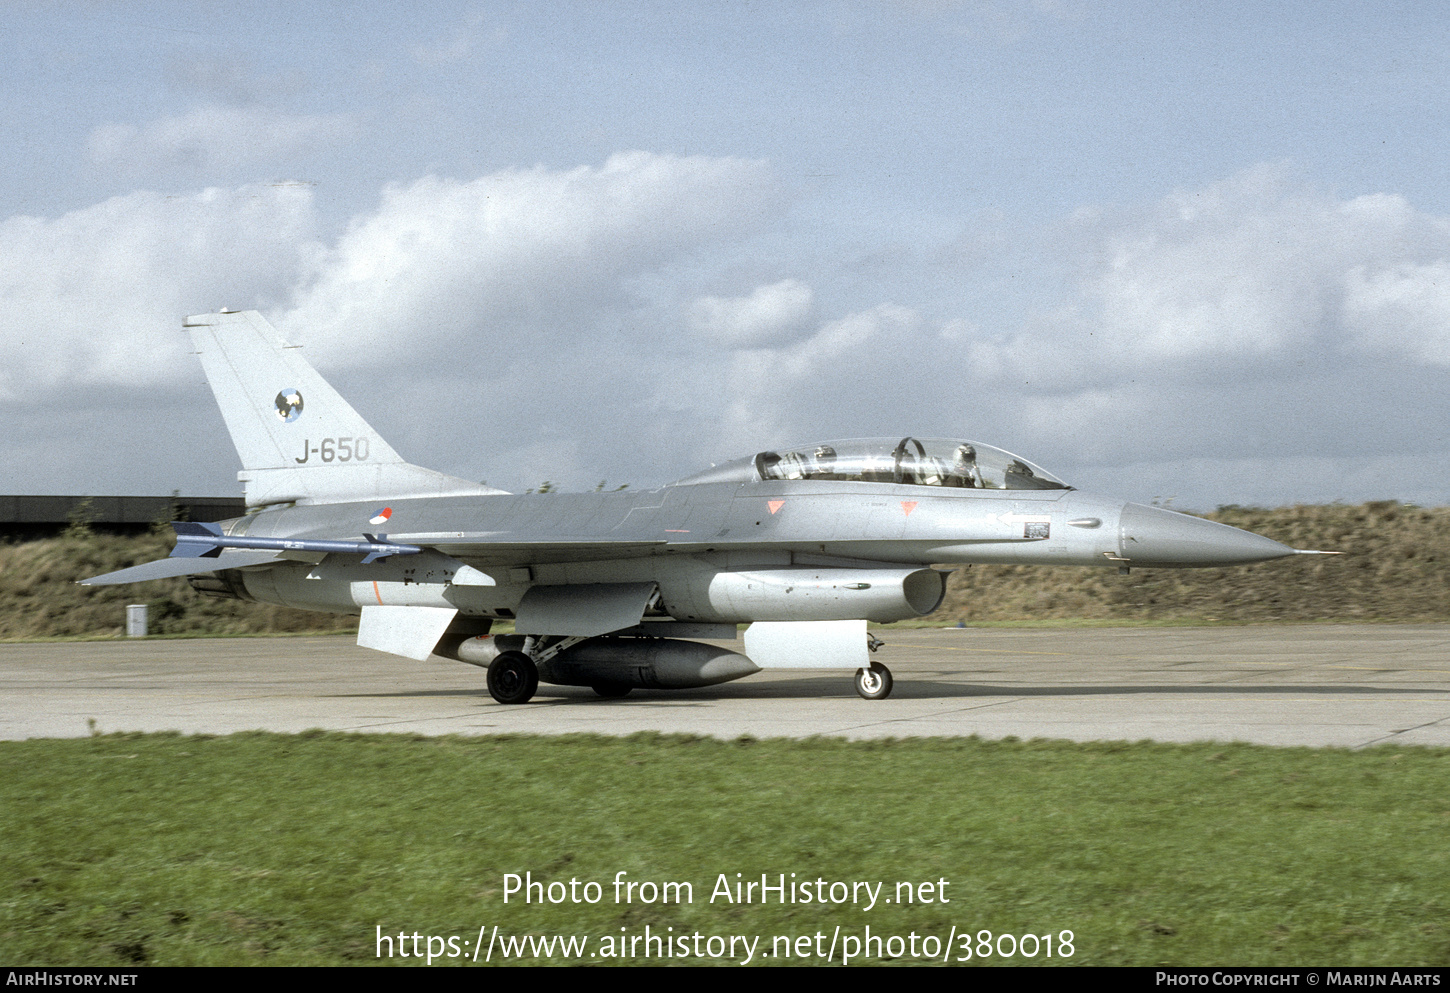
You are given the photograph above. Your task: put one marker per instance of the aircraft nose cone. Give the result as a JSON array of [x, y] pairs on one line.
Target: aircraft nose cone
[[1153, 536]]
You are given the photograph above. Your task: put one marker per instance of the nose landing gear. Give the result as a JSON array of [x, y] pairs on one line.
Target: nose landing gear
[[874, 683]]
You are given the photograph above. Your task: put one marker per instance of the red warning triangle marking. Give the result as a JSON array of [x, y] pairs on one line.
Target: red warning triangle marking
[[908, 506], [774, 505]]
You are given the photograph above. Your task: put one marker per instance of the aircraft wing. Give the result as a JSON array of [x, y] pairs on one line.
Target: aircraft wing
[[474, 547], [508, 550]]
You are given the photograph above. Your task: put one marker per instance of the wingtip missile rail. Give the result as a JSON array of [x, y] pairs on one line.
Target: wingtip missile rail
[[199, 540]]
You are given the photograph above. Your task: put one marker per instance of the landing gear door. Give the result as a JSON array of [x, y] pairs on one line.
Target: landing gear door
[[583, 610], [807, 644], [411, 632]]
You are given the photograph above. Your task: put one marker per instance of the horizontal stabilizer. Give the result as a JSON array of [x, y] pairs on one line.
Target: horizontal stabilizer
[[187, 566]]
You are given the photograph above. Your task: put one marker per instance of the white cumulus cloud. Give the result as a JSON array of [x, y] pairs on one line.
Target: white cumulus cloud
[[861, 369], [217, 136], [1401, 309], [1252, 270], [442, 263], [769, 316], [96, 296]]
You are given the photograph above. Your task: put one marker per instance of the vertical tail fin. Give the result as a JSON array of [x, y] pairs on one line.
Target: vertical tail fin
[[299, 440]]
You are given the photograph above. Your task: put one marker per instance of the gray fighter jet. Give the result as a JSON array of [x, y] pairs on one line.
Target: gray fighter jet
[[611, 590]]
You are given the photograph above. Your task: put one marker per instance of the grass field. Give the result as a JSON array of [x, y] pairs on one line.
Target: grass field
[[262, 848]]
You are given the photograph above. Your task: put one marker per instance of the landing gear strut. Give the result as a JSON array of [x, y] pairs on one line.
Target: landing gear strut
[[874, 683], [512, 677]]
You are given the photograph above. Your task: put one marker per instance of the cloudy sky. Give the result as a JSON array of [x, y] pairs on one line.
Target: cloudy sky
[[1196, 252]]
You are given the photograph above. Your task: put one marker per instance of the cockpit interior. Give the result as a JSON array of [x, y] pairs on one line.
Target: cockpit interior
[[910, 461]]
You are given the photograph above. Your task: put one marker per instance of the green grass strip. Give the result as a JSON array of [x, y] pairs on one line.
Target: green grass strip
[[276, 849]]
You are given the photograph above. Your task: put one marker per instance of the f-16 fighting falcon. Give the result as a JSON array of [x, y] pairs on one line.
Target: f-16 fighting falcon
[[612, 590]]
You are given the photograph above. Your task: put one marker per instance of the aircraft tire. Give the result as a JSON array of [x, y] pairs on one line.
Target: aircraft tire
[[611, 691], [874, 683], [512, 678]]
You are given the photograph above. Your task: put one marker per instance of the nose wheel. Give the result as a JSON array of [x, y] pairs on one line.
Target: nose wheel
[[874, 683], [512, 678]]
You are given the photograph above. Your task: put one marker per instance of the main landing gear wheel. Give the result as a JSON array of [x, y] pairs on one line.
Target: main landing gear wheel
[[512, 677], [611, 691], [874, 683]]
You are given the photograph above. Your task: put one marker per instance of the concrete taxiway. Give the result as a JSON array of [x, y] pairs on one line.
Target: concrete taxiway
[[1340, 685]]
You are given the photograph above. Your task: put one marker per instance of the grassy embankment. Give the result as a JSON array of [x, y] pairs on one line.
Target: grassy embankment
[[39, 597], [1396, 567], [274, 849]]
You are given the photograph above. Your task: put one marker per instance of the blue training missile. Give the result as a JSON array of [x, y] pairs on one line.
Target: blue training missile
[[197, 540]]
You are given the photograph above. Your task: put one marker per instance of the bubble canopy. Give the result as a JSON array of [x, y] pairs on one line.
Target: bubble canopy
[[909, 461]]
